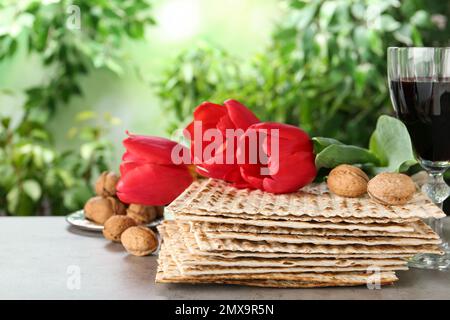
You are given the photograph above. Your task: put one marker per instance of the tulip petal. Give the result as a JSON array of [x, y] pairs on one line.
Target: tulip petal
[[153, 184], [288, 171], [188, 132], [242, 185], [209, 114], [127, 156], [290, 176], [152, 149], [286, 131], [127, 166], [251, 174], [227, 172], [218, 166], [224, 123], [291, 138], [239, 114]]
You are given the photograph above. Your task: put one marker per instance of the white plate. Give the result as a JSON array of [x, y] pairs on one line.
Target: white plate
[[78, 220]]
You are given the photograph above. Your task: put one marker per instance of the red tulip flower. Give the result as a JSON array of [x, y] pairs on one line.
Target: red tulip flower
[[223, 146], [230, 117], [149, 176], [288, 154]]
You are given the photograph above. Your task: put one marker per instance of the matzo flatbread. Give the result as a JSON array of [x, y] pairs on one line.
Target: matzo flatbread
[[388, 227], [216, 196], [215, 270], [191, 244], [285, 284], [324, 240], [198, 260], [181, 255], [297, 218], [206, 244], [421, 230], [167, 265], [168, 273], [227, 270], [310, 238]]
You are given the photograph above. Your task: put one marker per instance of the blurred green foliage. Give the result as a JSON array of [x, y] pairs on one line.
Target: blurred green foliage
[[36, 178], [71, 38], [198, 74], [325, 69]]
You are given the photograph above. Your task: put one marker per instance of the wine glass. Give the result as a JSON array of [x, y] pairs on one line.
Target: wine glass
[[419, 85]]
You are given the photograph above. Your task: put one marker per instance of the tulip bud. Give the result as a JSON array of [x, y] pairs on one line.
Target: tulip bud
[[149, 175]]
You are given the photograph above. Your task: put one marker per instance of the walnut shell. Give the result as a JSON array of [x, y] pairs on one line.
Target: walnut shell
[[139, 241], [105, 185], [118, 207], [116, 225], [391, 188], [160, 211], [347, 181], [99, 209], [142, 214]]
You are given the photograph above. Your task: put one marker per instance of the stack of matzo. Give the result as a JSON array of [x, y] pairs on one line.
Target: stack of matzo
[[310, 238]]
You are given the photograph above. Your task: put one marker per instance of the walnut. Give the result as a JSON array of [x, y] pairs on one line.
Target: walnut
[[100, 209], [391, 188], [106, 184], [347, 181], [116, 225], [142, 214], [139, 241], [160, 211]]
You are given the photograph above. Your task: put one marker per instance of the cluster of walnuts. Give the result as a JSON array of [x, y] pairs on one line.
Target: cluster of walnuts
[[387, 188], [122, 223]]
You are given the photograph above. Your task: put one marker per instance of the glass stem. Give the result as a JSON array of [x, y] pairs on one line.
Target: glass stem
[[438, 191], [436, 188], [434, 180], [437, 226]]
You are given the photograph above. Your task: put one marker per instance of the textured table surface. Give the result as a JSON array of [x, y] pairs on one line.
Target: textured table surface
[[45, 258]]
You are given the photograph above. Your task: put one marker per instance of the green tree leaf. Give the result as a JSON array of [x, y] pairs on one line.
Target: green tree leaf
[[32, 189], [388, 23], [33, 170], [12, 199], [5, 121], [421, 18], [404, 35], [324, 70], [19, 203]]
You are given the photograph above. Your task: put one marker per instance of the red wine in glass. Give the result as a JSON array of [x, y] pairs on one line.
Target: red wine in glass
[[423, 105], [419, 84]]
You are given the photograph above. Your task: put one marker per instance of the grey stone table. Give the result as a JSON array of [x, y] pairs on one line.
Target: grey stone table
[[44, 258]]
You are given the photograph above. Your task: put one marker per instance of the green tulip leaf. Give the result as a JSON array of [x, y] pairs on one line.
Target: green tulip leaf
[[321, 143], [336, 154], [391, 143]]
